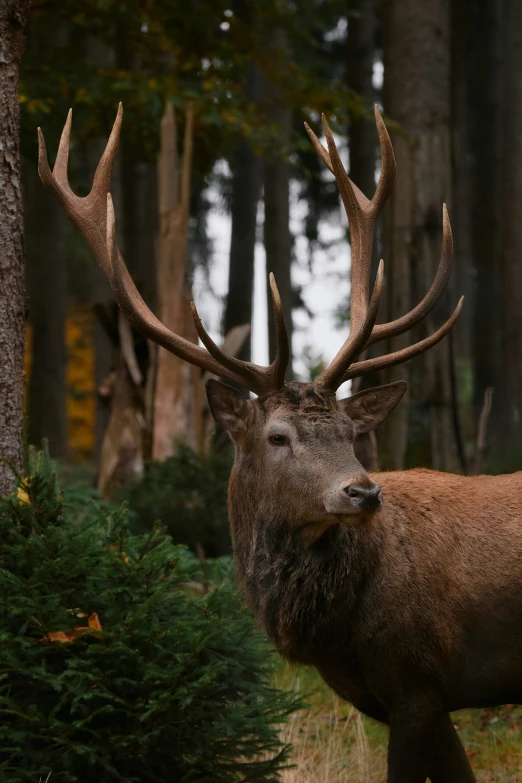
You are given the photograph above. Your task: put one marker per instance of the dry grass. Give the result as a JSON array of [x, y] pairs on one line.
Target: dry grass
[[333, 747], [333, 743]]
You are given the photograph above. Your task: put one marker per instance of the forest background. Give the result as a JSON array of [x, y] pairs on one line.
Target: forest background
[[215, 186], [241, 77]]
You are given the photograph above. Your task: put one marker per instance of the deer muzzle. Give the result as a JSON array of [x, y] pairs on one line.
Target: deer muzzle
[[353, 498], [364, 498]]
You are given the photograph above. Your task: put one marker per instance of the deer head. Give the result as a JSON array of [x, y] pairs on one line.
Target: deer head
[[295, 441]]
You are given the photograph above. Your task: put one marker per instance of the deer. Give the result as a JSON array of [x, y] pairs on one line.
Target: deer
[[403, 589]]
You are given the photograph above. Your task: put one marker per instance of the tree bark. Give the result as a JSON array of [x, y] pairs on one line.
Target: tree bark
[[461, 222], [461, 339], [278, 242], [47, 286], [13, 17], [277, 236], [176, 407], [140, 223], [360, 52], [511, 233], [485, 55], [417, 95], [246, 185]]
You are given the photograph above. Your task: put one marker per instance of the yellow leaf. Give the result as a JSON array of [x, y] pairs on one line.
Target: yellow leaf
[[22, 495]]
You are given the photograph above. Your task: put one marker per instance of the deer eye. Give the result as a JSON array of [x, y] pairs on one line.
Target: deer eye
[[277, 440]]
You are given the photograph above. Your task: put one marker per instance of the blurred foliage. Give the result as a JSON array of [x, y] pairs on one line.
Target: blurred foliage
[[116, 665], [93, 54], [187, 493]]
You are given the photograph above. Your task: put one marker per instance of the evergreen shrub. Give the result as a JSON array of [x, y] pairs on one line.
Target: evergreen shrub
[[113, 666], [188, 494]]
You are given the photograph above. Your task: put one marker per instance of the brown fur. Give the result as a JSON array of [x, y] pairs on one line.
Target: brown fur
[[407, 612]]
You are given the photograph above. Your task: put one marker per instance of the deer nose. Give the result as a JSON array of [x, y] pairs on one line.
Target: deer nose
[[366, 499]]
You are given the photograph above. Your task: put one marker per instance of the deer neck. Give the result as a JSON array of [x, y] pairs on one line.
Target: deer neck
[[302, 594]]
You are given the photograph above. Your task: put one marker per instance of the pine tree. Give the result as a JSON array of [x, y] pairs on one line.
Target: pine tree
[[112, 667]]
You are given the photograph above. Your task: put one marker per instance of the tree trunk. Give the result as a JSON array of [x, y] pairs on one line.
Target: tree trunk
[[463, 278], [278, 245], [246, 184], [277, 236], [13, 17], [417, 95], [485, 54], [47, 285], [121, 456], [176, 411], [511, 235], [140, 223], [360, 51]]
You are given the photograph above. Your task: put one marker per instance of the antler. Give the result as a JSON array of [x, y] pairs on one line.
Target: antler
[[94, 216], [362, 215]]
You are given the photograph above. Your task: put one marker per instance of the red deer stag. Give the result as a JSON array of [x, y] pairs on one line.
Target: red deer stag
[[403, 589]]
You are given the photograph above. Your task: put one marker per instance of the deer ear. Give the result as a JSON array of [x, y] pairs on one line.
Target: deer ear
[[369, 408], [228, 407]]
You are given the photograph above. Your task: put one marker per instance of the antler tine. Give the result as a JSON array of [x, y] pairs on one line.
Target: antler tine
[[56, 180], [388, 165], [362, 213], [398, 357], [260, 379], [226, 361], [323, 154], [331, 376], [62, 156], [110, 240], [132, 304], [405, 322], [102, 176], [282, 357], [87, 213], [346, 187]]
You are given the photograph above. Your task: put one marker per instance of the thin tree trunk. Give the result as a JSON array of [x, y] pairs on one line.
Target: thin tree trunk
[[485, 54], [417, 95], [140, 223], [278, 241], [511, 233], [463, 278], [13, 17], [47, 286], [277, 236], [360, 52], [176, 413], [246, 184], [461, 222]]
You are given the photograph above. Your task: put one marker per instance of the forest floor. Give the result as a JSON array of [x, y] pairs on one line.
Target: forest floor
[[332, 742]]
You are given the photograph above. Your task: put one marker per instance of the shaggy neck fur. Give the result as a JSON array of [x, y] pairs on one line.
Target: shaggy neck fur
[[303, 595]]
